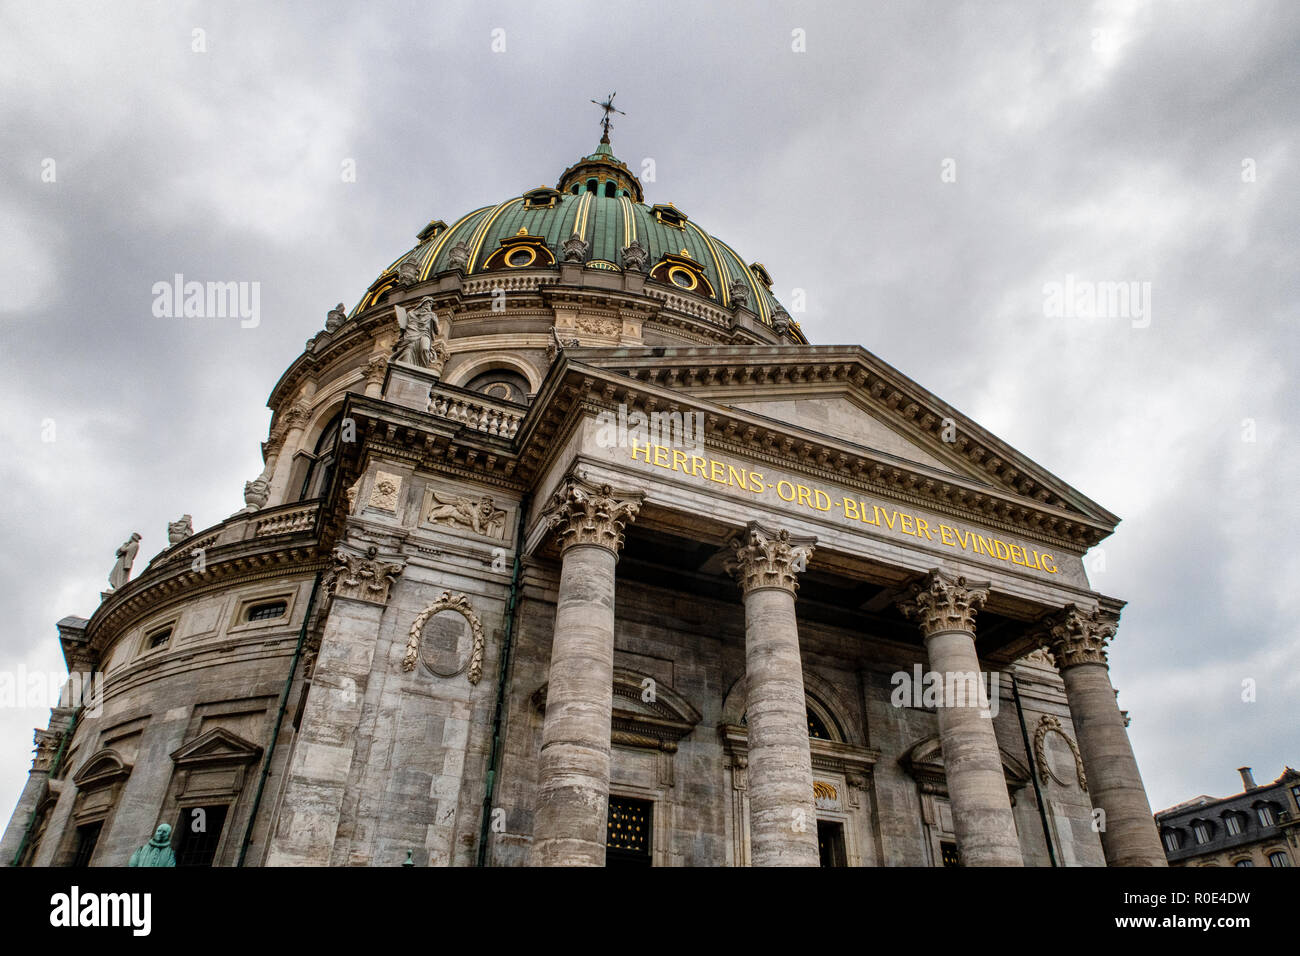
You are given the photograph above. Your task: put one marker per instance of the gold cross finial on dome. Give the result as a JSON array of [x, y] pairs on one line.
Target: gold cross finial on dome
[[608, 107]]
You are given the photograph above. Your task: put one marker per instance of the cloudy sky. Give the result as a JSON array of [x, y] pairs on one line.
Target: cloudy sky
[[925, 172]]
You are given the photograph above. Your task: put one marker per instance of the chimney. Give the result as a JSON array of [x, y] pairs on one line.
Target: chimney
[[1247, 778]]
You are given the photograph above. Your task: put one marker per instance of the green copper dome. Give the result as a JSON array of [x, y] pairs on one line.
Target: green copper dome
[[598, 200]]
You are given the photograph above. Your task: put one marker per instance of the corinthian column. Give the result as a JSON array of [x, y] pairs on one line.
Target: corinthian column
[[1077, 640], [945, 606], [573, 775], [782, 818]]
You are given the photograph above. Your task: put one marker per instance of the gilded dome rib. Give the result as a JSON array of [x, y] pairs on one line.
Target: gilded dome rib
[[760, 299], [724, 277], [629, 221], [476, 243], [427, 267]]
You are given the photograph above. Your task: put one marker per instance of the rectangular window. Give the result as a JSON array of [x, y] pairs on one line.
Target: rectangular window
[[1202, 833], [830, 843], [627, 840], [87, 837], [200, 832], [158, 638], [1171, 841], [1265, 816], [1233, 824], [268, 611], [949, 851]]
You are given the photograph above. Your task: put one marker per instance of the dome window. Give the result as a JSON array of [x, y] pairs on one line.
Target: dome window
[[543, 197], [611, 189], [684, 273], [761, 273], [521, 251], [669, 215], [591, 185], [682, 278], [435, 228]]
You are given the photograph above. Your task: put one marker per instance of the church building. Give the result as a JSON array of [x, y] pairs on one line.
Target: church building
[[570, 549]]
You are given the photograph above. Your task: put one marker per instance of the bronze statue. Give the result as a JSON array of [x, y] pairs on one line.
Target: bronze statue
[[158, 851]]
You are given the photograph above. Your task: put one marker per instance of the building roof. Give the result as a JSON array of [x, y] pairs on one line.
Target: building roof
[[598, 199]]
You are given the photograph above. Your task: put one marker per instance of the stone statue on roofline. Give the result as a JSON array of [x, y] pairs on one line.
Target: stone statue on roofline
[[178, 531], [121, 572], [419, 328], [335, 317], [158, 851]]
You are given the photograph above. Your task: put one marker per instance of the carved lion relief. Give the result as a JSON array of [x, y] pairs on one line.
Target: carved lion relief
[[477, 514], [447, 637]]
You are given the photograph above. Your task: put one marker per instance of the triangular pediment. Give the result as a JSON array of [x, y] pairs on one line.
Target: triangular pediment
[[217, 746], [847, 395], [840, 417]]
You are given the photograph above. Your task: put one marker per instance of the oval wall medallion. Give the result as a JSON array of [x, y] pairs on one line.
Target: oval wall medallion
[[1056, 765], [448, 637]]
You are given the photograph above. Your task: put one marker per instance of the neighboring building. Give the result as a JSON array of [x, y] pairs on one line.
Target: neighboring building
[[1257, 827], [520, 574]]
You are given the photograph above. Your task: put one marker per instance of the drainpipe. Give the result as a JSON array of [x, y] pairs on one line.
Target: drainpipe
[[54, 768], [279, 721], [494, 757], [1033, 773]]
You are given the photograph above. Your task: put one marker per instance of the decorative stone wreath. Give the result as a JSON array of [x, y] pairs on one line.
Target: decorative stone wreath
[[448, 602], [1049, 724]]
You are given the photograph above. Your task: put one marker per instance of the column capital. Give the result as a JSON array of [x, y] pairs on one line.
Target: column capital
[[47, 745], [943, 602], [765, 557], [1077, 636], [375, 369], [296, 416], [581, 512], [362, 579]]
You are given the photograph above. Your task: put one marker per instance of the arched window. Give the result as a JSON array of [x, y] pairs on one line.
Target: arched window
[[591, 185], [501, 383], [611, 190], [820, 724], [817, 727], [317, 480]]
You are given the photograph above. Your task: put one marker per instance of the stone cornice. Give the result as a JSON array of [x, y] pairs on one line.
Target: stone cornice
[[749, 434], [469, 298], [884, 391], [354, 336], [246, 547]]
